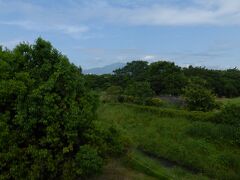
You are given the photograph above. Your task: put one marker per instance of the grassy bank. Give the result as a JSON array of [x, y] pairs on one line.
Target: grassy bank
[[200, 149], [227, 100]]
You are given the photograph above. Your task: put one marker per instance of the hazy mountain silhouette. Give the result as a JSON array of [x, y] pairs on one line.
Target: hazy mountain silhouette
[[108, 69]]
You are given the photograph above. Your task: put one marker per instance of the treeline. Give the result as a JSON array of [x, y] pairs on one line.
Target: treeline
[[166, 78]]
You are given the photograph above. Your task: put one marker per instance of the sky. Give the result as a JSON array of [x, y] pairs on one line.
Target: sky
[[95, 33]]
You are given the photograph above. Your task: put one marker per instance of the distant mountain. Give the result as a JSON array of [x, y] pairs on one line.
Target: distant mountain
[[105, 69]]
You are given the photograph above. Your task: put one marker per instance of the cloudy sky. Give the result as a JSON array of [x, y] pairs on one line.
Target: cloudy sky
[[95, 33]]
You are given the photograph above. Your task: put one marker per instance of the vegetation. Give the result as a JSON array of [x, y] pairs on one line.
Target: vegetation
[[166, 78], [144, 121], [189, 148], [198, 98], [46, 117], [230, 114]]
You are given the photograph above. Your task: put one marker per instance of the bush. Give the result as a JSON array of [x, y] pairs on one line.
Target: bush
[[199, 99], [140, 90], [155, 102], [45, 111], [114, 90], [109, 98], [108, 140], [127, 99], [230, 114], [121, 98]]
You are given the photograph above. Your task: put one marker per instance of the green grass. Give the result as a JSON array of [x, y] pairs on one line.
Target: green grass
[[115, 169], [139, 162], [155, 168], [169, 134], [229, 100]]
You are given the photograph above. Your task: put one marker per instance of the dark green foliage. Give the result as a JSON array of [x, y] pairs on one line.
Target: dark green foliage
[[155, 102], [166, 78], [223, 82], [88, 161], [112, 94], [107, 139], [128, 99], [45, 112], [99, 82], [230, 114], [114, 90], [198, 98], [135, 70], [215, 132], [139, 90]]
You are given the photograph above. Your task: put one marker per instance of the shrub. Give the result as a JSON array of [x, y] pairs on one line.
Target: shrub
[[129, 99], [230, 114], [108, 140], [155, 102], [199, 99], [120, 98], [111, 94], [109, 98], [114, 90]]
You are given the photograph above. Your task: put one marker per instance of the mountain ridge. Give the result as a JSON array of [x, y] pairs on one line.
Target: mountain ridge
[[108, 69]]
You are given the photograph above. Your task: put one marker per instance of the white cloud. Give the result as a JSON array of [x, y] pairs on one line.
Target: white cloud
[[201, 12], [33, 17], [72, 29], [198, 12], [45, 27], [149, 57]]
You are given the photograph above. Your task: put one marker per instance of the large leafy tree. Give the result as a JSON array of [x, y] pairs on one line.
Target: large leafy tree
[[45, 114], [132, 72], [139, 89], [166, 78]]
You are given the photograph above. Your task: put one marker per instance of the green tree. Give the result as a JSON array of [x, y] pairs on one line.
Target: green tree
[[133, 71], [141, 91], [166, 78], [136, 70], [198, 98], [45, 114]]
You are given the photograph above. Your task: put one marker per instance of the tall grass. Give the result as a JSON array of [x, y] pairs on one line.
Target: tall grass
[[153, 167], [172, 113], [170, 134], [225, 101]]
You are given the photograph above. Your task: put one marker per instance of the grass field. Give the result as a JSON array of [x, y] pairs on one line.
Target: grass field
[[174, 146], [226, 100]]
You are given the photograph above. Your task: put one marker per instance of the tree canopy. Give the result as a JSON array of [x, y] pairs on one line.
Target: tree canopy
[[46, 116], [166, 78]]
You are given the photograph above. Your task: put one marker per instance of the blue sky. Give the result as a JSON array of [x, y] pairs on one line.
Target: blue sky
[[94, 33]]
